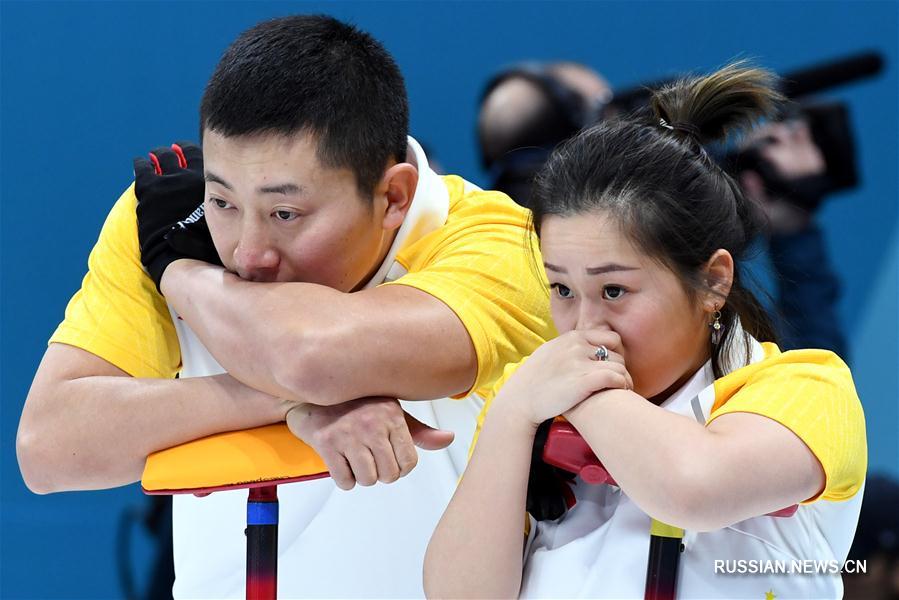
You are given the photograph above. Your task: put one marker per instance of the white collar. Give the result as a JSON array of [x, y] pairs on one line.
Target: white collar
[[680, 401], [427, 213], [696, 397]]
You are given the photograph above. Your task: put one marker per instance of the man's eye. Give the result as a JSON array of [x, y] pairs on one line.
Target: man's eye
[[612, 292], [286, 215], [562, 291]]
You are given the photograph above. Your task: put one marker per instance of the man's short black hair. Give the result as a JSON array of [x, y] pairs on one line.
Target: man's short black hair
[[316, 75]]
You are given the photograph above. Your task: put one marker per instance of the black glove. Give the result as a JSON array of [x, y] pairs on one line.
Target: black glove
[[171, 224]]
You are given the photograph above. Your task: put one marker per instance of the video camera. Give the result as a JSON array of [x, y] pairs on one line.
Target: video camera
[[513, 170], [828, 121]]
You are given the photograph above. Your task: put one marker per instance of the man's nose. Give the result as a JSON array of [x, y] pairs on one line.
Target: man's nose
[[255, 256]]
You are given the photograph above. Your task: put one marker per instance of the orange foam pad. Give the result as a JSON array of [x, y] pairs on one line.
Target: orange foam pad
[[235, 459]]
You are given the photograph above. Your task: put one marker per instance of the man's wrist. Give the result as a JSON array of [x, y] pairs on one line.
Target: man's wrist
[[168, 275], [178, 271]]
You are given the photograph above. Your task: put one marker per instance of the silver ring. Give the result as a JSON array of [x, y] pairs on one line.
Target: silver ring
[[602, 353]]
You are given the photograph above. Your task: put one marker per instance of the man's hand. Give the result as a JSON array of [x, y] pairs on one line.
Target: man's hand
[[794, 166], [171, 224], [365, 441], [790, 148]]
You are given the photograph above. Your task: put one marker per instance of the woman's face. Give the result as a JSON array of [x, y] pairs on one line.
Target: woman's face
[[599, 280]]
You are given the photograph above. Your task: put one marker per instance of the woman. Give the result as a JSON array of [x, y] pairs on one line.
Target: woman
[[660, 365]]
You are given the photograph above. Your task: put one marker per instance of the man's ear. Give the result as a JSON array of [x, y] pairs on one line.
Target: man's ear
[[397, 188], [719, 277]]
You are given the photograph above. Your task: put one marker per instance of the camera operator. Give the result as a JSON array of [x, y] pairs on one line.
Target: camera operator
[[529, 109], [788, 188]]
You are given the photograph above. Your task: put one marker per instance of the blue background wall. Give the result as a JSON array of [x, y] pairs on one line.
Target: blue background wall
[[88, 85]]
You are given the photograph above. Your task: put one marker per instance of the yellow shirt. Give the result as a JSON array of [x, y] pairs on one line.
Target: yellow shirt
[[599, 549], [479, 264], [484, 263], [117, 314], [810, 392]]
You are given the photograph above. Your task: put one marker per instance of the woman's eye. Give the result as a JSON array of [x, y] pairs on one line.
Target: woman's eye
[[219, 202], [612, 292], [562, 291], [286, 215]]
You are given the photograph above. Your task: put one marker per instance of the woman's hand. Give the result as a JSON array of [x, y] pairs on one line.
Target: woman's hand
[[564, 372]]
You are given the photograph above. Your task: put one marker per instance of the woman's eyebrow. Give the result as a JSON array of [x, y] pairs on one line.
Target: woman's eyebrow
[[607, 268]]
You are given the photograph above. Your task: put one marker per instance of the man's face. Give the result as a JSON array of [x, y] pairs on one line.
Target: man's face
[[277, 214]]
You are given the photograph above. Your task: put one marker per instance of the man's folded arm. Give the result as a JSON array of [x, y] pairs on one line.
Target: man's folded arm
[[87, 424], [308, 342]]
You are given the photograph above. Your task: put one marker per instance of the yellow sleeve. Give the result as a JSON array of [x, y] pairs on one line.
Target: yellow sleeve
[[480, 265], [117, 314], [811, 393]]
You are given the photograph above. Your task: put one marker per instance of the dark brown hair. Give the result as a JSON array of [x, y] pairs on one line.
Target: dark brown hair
[[313, 74]]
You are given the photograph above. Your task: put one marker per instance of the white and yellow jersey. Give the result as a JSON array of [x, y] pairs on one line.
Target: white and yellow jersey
[[599, 549], [466, 247]]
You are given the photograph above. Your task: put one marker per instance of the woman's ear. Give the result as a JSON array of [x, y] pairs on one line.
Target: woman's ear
[[397, 188], [719, 277]]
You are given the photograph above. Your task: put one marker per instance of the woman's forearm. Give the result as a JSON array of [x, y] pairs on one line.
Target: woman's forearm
[[476, 550], [656, 456]]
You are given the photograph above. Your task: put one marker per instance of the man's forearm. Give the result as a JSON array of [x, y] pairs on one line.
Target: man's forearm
[[311, 343], [809, 291], [252, 330], [96, 432]]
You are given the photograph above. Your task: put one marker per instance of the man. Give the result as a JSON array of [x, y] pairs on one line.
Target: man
[[788, 180], [526, 111], [353, 276]]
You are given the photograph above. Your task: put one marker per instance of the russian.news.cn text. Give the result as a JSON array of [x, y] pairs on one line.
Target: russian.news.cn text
[[788, 567]]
